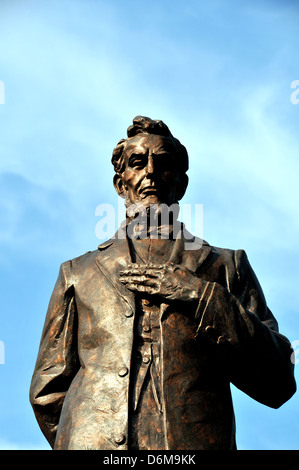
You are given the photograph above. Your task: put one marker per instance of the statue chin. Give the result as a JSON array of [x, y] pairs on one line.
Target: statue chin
[[145, 202], [148, 201]]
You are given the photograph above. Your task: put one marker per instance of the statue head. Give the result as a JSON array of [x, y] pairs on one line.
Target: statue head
[[150, 165]]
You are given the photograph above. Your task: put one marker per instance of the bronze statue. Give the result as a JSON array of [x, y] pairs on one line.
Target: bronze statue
[[144, 335]]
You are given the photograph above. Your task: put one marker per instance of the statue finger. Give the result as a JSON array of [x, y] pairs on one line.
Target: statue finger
[[156, 266], [133, 271], [155, 272], [138, 273], [139, 288], [141, 279]]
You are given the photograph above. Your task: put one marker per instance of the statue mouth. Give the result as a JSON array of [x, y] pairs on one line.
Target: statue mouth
[[149, 191]]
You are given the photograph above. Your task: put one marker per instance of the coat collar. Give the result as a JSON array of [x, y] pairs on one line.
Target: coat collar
[[115, 255], [185, 241]]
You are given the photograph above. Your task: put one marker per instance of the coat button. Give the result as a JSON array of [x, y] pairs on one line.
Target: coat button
[[145, 359], [223, 340], [119, 439], [129, 313], [211, 332], [123, 371]]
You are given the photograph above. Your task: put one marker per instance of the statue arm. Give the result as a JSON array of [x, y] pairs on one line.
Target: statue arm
[[57, 362], [256, 357]]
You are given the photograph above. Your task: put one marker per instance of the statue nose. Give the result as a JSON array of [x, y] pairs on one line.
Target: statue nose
[[150, 165]]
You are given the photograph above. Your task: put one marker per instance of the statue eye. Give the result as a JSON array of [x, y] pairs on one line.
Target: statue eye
[[136, 161], [165, 162]]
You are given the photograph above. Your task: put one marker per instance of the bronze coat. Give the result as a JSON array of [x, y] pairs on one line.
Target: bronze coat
[[80, 386]]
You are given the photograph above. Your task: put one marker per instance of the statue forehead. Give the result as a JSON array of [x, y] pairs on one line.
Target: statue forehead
[[148, 141]]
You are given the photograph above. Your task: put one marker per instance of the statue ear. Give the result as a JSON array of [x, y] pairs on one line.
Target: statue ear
[[119, 185], [182, 186]]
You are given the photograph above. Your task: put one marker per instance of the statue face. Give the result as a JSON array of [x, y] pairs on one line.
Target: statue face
[[150, 175]]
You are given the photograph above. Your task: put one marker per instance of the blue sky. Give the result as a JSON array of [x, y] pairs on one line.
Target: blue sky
[[75, 74]]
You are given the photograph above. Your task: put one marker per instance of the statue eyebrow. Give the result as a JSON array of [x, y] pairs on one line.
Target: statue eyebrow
[[163, 152], [137, 156]]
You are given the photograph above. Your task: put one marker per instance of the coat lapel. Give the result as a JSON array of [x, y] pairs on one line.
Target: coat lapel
[[114, 256], [189, 250]]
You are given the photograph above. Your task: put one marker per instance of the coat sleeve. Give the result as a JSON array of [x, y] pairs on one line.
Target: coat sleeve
[[57, 362], [238, 324]]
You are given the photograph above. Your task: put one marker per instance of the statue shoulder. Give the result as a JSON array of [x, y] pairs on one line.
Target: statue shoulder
[[228, 254], [233, 260]]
